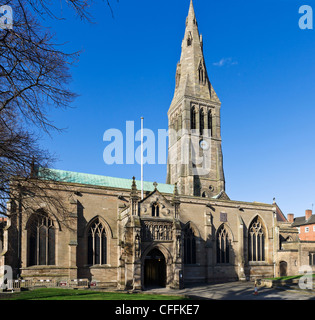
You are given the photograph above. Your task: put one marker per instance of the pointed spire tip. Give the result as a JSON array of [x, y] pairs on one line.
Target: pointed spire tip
[[191, 13]]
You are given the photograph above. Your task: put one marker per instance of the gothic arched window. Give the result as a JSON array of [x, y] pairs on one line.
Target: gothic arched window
[[193, 118], [97, 244], [210, 126], [41, 245], [256, 241], [201, 121], [155, 210], [223, 247], [189, 246]]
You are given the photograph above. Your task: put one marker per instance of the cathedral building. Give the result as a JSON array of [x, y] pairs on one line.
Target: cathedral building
[[187, 230]]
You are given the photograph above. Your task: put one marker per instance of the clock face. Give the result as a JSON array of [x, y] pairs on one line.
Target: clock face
[[204, 145]]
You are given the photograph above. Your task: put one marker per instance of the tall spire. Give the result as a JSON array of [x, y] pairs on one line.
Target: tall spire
[[191, 74], [195, 113]]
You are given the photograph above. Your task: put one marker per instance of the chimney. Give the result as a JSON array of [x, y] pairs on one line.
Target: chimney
[[308, 214], [290, 217]]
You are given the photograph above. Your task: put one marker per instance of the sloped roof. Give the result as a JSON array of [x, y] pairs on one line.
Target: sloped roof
[[279, 213], [300, 221], [222, 195], [98, 180]]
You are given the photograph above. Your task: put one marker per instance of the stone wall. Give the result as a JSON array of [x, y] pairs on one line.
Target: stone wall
[[112, 207]]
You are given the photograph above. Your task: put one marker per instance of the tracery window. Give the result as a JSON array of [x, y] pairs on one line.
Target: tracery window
[[97, 244], [223, 246], [189, 246], [41, 245], [155, 210], [256, 241]]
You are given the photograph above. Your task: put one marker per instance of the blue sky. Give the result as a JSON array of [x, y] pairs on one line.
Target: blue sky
[[261, 64]]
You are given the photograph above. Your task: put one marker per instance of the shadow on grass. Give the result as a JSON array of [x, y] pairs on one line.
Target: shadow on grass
[[70, 294]]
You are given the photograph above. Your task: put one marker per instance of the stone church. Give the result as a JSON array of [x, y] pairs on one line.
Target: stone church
[[187, 230]]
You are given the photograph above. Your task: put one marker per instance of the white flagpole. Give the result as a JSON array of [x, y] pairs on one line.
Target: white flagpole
[[141, 158]]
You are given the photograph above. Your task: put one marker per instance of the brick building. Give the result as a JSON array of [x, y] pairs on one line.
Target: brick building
[[305, 225], [306, 230]]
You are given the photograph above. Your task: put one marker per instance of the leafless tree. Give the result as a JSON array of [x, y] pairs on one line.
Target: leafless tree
[[34, 77], [80, 7]]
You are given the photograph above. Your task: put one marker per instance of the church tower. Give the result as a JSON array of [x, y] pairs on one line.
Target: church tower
[[194, 154]]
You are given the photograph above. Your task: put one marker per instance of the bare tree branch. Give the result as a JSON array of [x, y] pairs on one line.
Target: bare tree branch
[[34, 77]]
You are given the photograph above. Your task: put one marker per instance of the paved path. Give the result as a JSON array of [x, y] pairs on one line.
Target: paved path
[[237, 291]]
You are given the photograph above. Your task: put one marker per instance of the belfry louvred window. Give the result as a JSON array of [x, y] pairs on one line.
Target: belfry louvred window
[[193, 118], [210, 126], [201, 121], [97, 244]]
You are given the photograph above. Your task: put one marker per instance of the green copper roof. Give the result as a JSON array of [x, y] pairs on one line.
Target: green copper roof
[[98, 180]]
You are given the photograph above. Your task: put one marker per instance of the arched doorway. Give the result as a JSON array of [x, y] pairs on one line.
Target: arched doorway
[[154, 269], [283, 269]]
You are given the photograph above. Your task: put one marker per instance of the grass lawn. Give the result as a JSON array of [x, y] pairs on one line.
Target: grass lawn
[[288, 277], [71, 294]]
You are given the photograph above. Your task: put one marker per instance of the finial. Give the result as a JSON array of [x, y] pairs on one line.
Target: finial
[[175, 189], [134, 185], [155, 185]]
